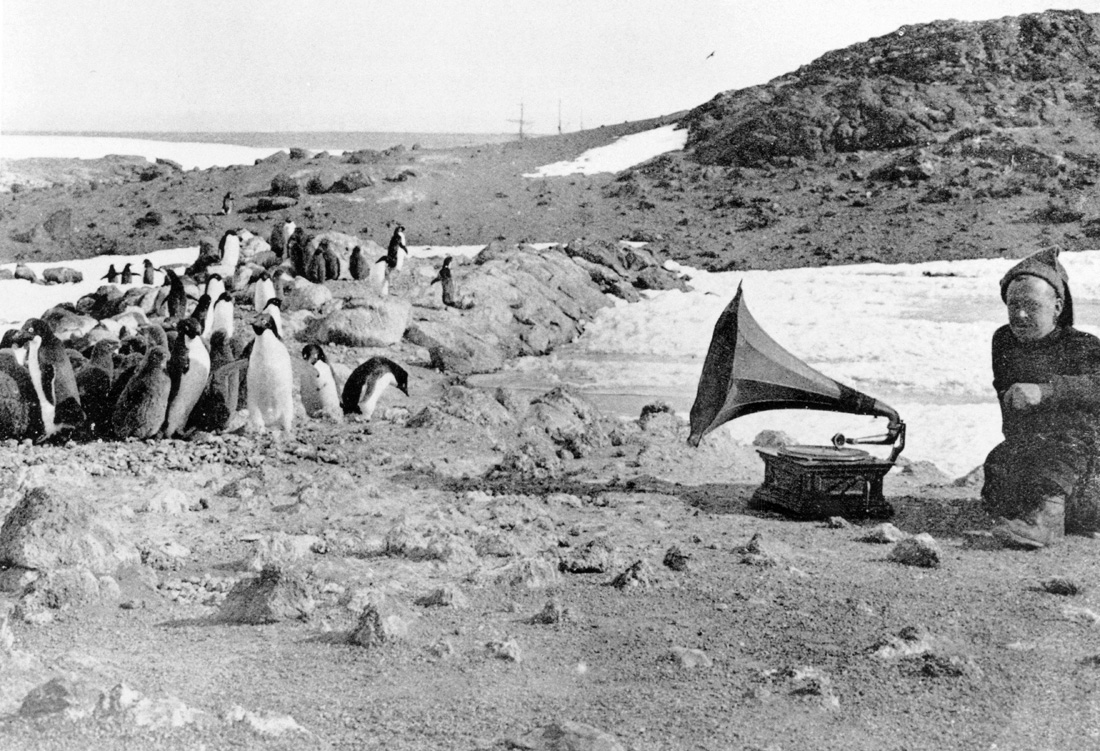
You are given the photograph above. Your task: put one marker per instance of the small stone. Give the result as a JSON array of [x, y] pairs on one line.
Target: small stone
[[442, 649], [505, 650], [639, 574], [1082, 615], [884, 534], [756, 553], [552, 613], [273, 596], [838, 522], [567, 736], [911, 640], [447, 596], [689, 658], [676, 559], [1060, 585], [595, 557], [772, 439], [921, 550], [377, 626], [273, 725]]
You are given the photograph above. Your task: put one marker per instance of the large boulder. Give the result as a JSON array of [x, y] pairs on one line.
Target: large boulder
[[50, 529], [305, 295], [570, 422], [370, 323], [275, 595]]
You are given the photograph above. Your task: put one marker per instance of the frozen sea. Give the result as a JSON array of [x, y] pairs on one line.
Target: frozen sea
[[916, 336]]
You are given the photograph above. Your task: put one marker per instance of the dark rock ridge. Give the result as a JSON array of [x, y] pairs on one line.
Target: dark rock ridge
[[909, 88]]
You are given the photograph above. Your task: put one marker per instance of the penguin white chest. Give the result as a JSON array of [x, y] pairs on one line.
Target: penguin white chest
[[35, 369], [264, 291], [192, 384], [270, 384], [231, 255], [327, 392], [372, 393]]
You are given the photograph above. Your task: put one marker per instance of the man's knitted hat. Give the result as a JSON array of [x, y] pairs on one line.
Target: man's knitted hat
[[1044, 264]]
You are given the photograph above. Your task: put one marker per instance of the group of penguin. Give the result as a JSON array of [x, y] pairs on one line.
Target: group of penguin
[[172, 378]]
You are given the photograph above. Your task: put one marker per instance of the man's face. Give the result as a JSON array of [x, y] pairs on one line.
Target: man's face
[[1033, 308]]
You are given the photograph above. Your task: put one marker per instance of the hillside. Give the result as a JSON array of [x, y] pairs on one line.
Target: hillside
[[945, 140]]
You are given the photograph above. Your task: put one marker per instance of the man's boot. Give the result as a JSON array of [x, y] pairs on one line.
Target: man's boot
[[1043, 526]]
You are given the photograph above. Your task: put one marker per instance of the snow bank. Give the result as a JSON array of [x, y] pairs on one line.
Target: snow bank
[[188, 155], [622, 154]]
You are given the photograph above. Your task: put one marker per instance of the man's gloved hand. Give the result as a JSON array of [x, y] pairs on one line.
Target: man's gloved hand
[[1024, 395]]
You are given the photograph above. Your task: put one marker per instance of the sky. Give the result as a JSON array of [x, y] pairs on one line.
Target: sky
[[416, 65]]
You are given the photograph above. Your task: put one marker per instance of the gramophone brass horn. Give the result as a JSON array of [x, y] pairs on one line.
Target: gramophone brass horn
[[746, 372]]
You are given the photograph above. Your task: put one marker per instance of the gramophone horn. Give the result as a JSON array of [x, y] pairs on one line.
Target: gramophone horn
[[746, 372]]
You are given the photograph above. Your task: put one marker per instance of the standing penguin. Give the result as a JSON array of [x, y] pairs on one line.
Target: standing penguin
[[274, 308], [263, 291], [320, 397], [368, 382], [231, 250], [127, 275], [380, 276], [218, 402], [333, 264], [111, 276], [357, 265], [148, 276], [298, 251], [318, 270], [288, 230], [227, 203], [19, 411], [53, 378], [93, 381], [397, 250], [189, 372], [143, 403], [270, 380], [177, 295], [221, 318], [202, 308]]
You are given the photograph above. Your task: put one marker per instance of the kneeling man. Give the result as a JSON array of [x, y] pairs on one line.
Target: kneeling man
[[1047, 377]]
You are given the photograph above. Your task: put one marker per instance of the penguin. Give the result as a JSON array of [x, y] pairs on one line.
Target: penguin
[[189, 372], [24, 272], [221, 317], [397, 250], [177, 295], [288, 230], [332, 260], [446, 280], [380, 276], [20, 414], [318, 269], [202, 308], [214, 286], [274, 308], [93, 381], [111, 276], [231, 250], [320, 398], [262, 291], [53, 378], [126, 276], [143, 403], [270, 380], [297, 250], [227, 203], [358, 264], [218, 402], [148, 276], [368, 382]]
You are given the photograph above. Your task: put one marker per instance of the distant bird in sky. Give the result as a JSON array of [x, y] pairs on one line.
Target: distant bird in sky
[[708, 57]]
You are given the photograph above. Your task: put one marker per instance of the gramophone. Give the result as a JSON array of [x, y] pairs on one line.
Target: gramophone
[[746, 372]]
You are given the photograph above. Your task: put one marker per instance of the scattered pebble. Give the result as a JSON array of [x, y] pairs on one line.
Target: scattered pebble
[[505, 650], [639, 574], [921, 550], [676, 559], [688, 658], [883, 534], [1060, 585]]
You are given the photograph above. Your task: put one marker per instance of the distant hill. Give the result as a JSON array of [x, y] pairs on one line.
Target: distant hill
[[939, 141]]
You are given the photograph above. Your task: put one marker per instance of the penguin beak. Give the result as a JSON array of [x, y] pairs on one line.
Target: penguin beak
[[404, 388]]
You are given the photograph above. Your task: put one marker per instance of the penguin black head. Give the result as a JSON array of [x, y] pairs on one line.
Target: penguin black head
[[34, 327], [276, 301], [312, 353], [225, 297], [189, 327], [155, 335], [356, 250], [264, 276], [126, 268], [267, 323], [148, 263], [447, 261], [400, 375], [9, 339]]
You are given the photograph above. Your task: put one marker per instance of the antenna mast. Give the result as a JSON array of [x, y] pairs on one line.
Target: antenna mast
[[559, 117], [521, 121]]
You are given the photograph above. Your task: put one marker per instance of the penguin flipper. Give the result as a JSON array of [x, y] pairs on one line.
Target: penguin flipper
[[230, 369]]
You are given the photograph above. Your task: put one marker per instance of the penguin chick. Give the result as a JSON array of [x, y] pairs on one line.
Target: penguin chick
[[93, 381], [148, 275], [189, 372], [143, 404], [20, 414], [357, 266], [320, 397], [270, 380], [368, 382]]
